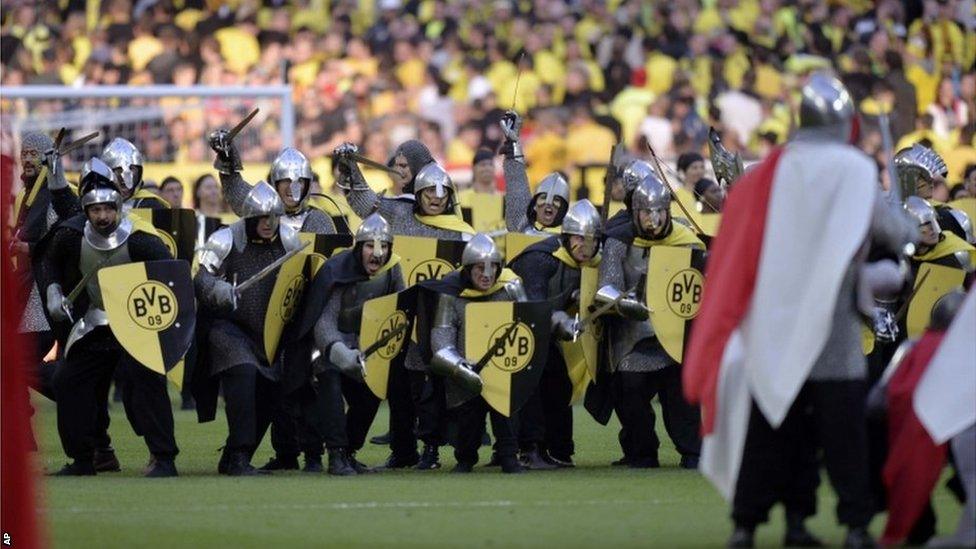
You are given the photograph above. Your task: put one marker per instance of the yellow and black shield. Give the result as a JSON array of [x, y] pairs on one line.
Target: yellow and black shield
[[386, 324], [484, 212], [322, 247], [673, 292], [516, 243], [931, 283], [510, 342], [581, 355], [424, 258], [177, 227], [284, 301], [151, 310]]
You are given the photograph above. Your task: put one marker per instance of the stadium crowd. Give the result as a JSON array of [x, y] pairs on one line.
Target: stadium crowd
[[592, 72]]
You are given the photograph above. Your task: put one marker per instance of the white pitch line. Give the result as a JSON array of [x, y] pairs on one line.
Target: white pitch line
[[360, 505]]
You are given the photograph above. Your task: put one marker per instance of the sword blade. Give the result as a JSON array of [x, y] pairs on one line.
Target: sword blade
[[59, 138], [271, 267], [240, 125], [372, 163], [77, 143]]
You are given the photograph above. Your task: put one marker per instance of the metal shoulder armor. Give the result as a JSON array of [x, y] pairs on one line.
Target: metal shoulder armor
[[289, 237], [516, 291], [216, 250]]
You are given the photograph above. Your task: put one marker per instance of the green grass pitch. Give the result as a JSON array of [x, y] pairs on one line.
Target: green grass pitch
[[592, 505]]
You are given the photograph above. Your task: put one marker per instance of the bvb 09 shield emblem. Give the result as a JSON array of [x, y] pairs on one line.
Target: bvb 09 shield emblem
[[509, 341], [151, 310], [674, 292], [383, 333]]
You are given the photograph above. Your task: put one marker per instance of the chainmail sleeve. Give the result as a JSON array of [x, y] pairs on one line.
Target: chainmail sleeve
[[319, 223], [362, 199], [65, 203], [60, 252], [326, 327], [517, 196], [611, 268], [235, 191], [204, 284]]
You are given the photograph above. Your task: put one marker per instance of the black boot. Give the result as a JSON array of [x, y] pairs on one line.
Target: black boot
[[161, 468], [429, 460], [689, 462], [313, 463], [797, 534], [361, 468], [224, 462], [381, 440], [532, 459], [859, 538], [511, 465], [563, 462], [400, 462], [622, 462], [741, 537], [105, 460], [281, 463], [339, 464], [463, 467], [76, 469], [238, 465]]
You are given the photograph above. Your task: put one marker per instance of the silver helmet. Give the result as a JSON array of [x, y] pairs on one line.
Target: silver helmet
[[98, 185], [826, 108], [727, 166], [922, 212], [583, 219], [551, 186], [126, 161], [262, 200], [377, 230], [654, 196], [634, 173], [481, 250], [918, 163], [433, 175], [292, 164]]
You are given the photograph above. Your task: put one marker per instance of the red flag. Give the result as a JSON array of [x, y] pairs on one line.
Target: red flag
[[733, 263], [914, 460], [18, 504]]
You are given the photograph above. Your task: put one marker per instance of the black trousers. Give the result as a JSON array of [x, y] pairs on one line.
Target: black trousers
[[546, 419], [681, 420], [339, 414], [781, 464], [81, 391], [250, 400], [430, 402], [403, 414], [471, 429]]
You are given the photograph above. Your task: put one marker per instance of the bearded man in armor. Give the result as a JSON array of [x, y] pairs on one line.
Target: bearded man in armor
[[102, 237]]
